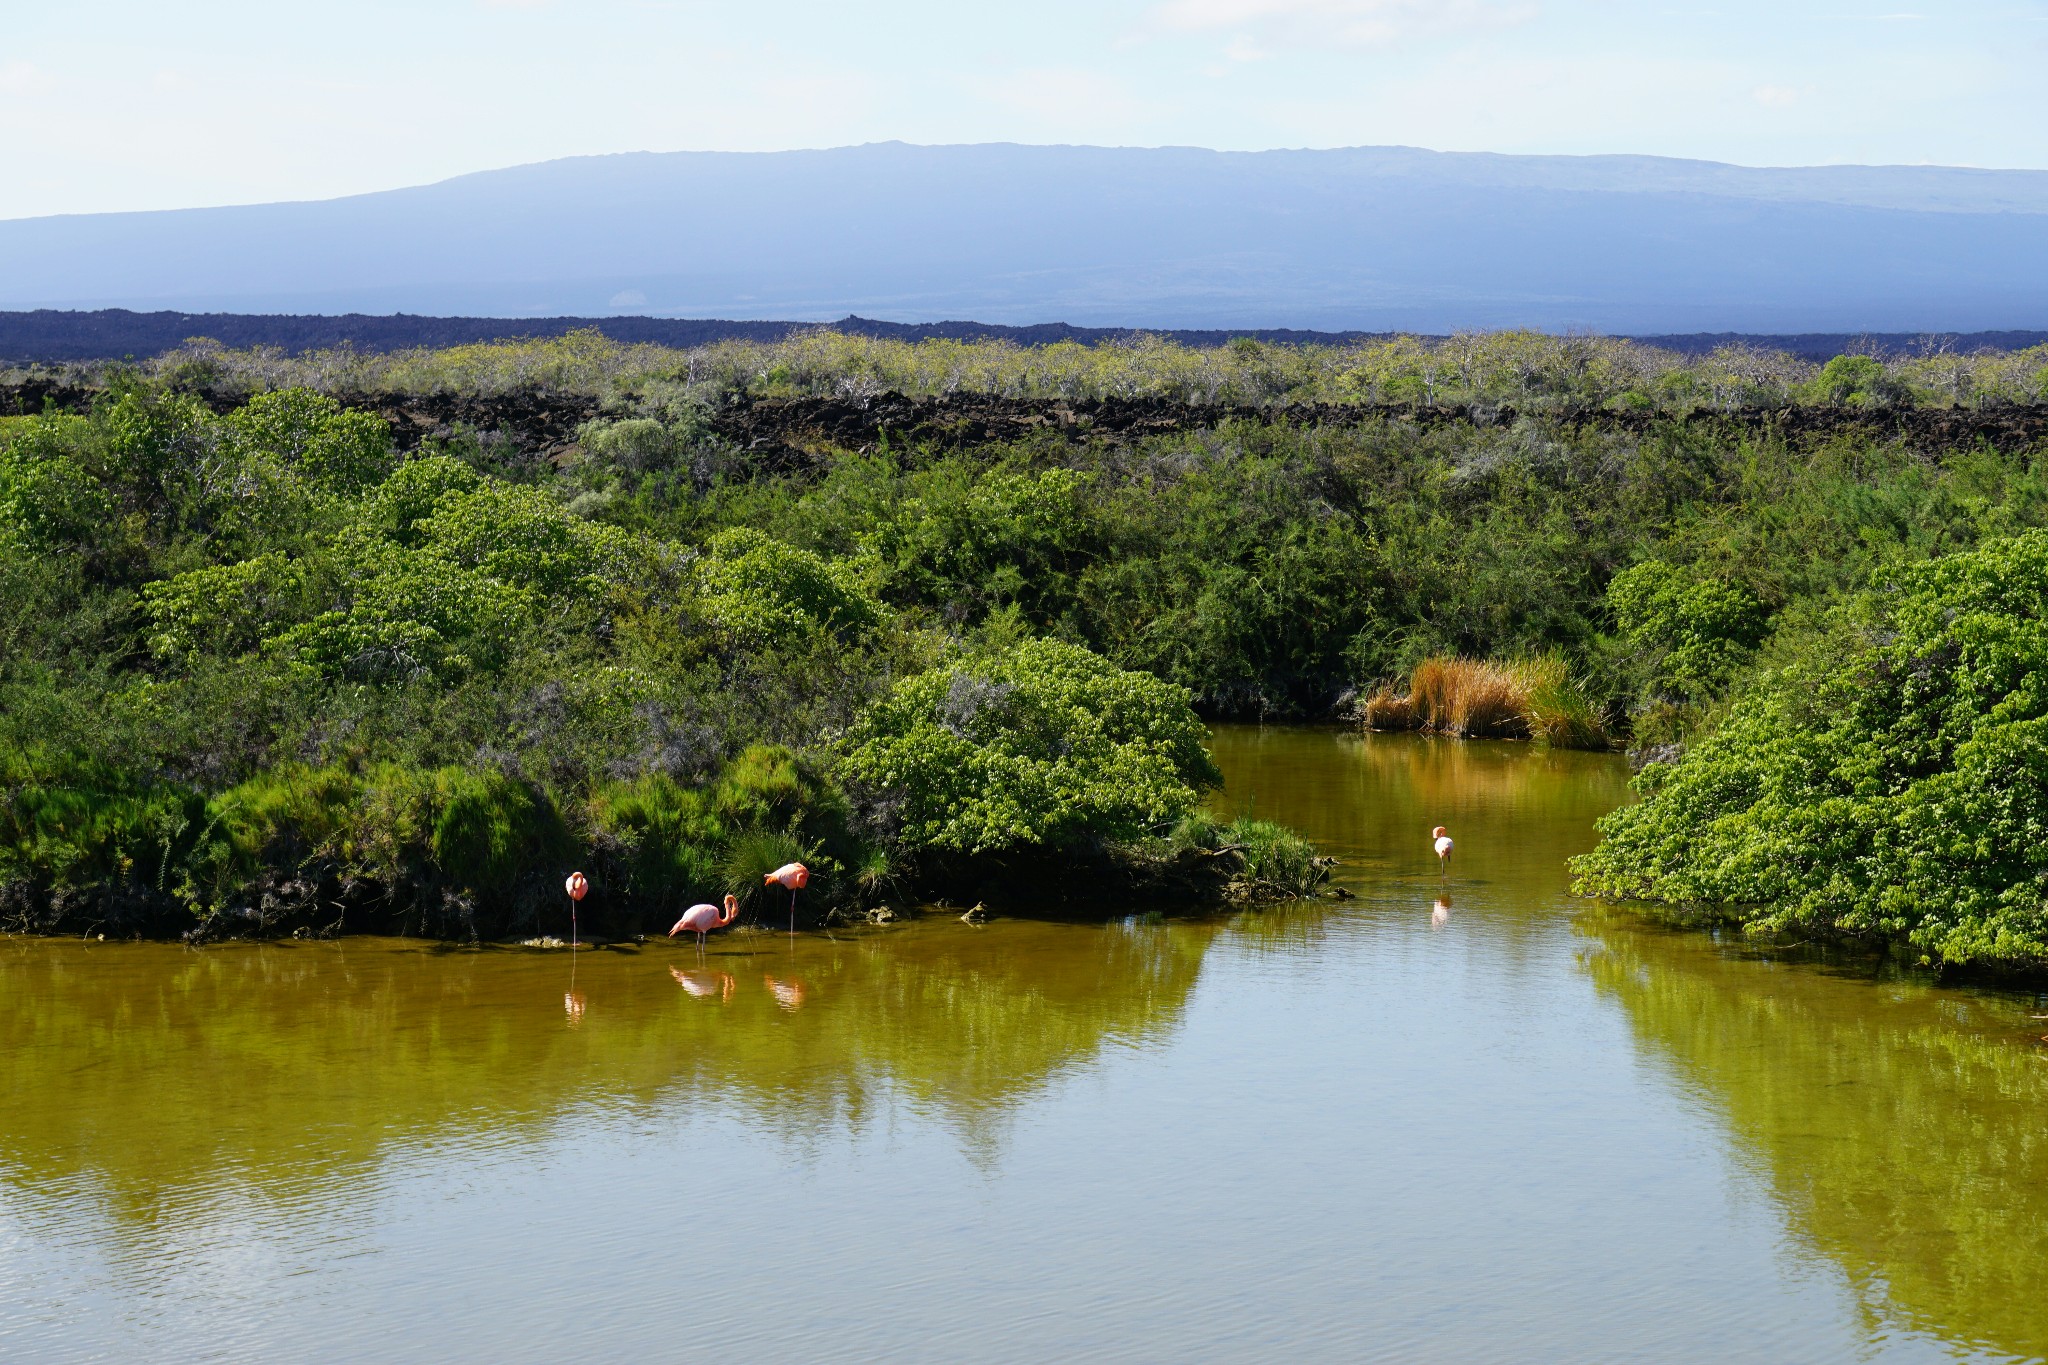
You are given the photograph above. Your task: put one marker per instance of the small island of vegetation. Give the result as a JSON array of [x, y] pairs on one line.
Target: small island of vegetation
[[340, 638]]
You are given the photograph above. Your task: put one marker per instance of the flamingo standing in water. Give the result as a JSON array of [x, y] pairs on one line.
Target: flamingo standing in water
[[1443, 849], [794, 876], [702, 919]]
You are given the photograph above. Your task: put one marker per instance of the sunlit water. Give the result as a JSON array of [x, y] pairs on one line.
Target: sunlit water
[[1463, 1121]]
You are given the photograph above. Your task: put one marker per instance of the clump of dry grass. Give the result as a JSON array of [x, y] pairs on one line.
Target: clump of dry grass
[[1387, 709], [1470, 698], [1486, 699]]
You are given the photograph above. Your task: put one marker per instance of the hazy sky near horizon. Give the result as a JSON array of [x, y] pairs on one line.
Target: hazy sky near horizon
[[134, 104]]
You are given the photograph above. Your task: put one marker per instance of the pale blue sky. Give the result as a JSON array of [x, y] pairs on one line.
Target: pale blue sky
[[112, 104]]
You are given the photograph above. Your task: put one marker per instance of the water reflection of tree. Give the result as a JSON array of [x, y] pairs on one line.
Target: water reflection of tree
[[147, 1074], [1518, 811], [1375, 797], [1899, 1127]]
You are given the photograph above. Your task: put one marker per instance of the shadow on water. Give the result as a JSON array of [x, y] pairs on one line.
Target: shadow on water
[[1900, 1127]]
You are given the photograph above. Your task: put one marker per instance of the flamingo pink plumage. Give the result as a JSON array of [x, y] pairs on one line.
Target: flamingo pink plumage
[[795, 876], [1443, 848], [702, 919]]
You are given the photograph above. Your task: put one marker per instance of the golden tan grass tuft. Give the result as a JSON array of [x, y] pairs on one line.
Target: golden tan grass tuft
[[1482, 699], [1387, 709], [1470, 698]]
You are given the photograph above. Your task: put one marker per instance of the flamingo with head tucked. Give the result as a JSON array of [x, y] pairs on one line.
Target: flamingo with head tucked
[[702, 919], [1443, 849], [795, 876]]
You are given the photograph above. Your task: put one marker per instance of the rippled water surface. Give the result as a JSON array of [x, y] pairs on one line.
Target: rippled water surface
[[1473, 1121]]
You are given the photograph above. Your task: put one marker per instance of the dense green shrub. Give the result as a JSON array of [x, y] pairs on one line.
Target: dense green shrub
[[1855, 379], [976, 542], [1690, 634], [227, 609], [396, 507], [333, 446], [761, 588], [525, 538], [408, 614], [72, 822], [1275, 857], [1044, 745], [1891, 786], [48, 498]]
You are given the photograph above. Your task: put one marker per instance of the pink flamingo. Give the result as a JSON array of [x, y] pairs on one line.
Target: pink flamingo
[[578, 886], [1443, 849], [702, 919], [794, 876]]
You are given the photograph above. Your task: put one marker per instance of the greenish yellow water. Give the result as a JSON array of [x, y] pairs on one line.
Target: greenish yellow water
[[1468, 1120]]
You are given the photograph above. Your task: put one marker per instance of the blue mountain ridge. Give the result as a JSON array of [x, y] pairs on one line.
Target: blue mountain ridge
[[1373, 239]]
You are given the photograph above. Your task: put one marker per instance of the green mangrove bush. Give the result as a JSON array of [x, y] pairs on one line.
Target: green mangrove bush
[[1890, 786], [1043, 745]]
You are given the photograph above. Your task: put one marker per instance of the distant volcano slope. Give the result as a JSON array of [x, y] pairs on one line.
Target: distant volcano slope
[[1372, 239]]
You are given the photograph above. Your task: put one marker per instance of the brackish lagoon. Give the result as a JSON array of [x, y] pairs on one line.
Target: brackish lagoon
[[1462, 1120]]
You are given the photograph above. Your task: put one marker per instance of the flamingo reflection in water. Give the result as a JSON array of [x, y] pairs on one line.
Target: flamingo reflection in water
[[704, 984], [788, 994], [1440, 913], [573, 1003]]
